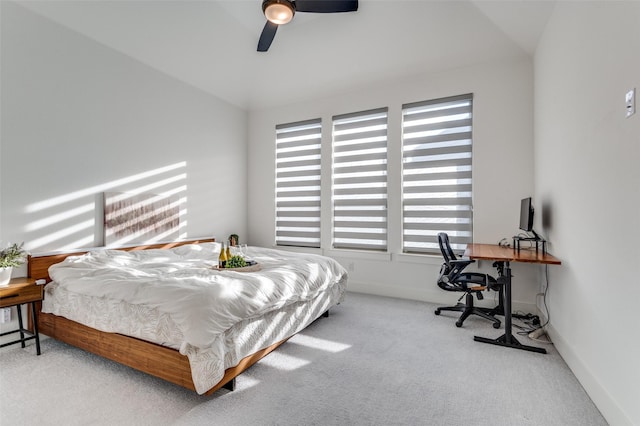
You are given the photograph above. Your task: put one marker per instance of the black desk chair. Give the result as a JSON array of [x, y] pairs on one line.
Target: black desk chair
[[453, 278]]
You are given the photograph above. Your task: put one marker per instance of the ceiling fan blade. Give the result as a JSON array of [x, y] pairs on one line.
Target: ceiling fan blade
[[326, 6], [268, 33]]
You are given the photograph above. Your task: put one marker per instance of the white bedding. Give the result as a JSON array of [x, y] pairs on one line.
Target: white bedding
[[176, 298]]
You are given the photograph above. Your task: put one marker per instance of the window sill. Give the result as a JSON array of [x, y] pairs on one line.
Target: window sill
[[424, 259]]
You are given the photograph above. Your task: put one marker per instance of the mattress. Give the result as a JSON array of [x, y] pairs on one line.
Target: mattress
[[177, 298]]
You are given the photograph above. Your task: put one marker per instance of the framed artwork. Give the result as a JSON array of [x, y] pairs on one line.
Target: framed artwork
[[140, 218]]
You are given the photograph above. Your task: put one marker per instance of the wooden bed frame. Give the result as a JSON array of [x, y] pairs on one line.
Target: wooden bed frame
[[159, 361]]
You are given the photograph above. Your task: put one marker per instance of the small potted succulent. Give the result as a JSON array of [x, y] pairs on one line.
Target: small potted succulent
[[10, 257]]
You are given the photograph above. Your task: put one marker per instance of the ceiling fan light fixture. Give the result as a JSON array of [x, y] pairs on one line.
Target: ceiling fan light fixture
[[278, 11]]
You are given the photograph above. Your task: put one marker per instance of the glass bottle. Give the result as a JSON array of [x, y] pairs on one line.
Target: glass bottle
[[222, 258]]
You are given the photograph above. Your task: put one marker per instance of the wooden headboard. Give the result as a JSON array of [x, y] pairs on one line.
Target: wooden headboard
[[38, 266]]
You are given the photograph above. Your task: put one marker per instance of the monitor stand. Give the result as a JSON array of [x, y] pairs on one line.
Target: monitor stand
[[540, 242]]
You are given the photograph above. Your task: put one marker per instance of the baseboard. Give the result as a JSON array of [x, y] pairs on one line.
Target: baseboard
[[607, 405], [431, 294]]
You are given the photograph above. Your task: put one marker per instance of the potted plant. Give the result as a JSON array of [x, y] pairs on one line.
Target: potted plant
[[11, 256]]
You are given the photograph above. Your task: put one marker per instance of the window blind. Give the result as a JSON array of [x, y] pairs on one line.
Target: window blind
[[298, 183], [437, 182], [360, 180]]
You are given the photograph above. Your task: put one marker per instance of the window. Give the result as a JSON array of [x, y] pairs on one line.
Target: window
[[298, 184], [360, 180], [436, 187]]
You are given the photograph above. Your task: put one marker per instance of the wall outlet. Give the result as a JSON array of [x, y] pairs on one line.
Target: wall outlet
[[630, 102], [5, 315]]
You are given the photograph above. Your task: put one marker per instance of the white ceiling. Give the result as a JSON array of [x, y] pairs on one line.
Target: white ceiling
[[211, 44]]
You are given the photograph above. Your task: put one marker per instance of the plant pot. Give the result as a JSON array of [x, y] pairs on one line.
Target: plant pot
[[5, 275]]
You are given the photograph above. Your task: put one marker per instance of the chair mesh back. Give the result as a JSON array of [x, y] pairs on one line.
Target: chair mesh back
[[448, 255], [445, 247]]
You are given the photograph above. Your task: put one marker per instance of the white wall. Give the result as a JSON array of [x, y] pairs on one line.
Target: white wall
[[79, 118], [587, 171], [502, 172]]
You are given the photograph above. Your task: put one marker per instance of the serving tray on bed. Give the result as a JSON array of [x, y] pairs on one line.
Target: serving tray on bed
[[250, 268]]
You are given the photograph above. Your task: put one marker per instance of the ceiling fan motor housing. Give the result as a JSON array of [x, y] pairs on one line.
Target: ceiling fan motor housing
[[279, 6], [279, 12]]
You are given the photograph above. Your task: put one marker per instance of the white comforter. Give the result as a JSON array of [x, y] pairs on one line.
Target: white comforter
[[181, 288]]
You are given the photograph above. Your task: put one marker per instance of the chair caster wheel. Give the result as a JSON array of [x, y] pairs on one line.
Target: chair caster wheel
[[458, 324], [496, 325], [437, 312]]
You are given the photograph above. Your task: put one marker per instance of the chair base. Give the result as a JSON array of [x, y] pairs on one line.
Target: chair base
[[469, 309]]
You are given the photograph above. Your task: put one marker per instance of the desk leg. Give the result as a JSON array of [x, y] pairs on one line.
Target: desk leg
[[508, 339], [499, 310]]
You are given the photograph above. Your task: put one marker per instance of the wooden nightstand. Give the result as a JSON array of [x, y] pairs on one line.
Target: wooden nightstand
[[18, 292]]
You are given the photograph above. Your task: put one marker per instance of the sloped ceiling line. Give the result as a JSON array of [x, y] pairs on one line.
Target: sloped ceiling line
[[212, 44]]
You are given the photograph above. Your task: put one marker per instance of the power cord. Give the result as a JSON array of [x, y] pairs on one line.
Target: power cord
[[529, 322], [544, 296], [539, 331], [504, 243]]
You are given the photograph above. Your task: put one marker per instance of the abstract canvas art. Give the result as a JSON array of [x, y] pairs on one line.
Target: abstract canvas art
[[139, 218]]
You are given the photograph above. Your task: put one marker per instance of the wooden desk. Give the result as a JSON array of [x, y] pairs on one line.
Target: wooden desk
[[506, 254]]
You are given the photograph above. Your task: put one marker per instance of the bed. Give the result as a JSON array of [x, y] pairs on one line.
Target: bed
[[167, 310]]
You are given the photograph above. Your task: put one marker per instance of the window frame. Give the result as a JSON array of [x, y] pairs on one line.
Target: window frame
[[359, 180], [298, 212], [437, 173]]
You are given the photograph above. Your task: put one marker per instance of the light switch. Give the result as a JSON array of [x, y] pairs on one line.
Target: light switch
[[630, 102]]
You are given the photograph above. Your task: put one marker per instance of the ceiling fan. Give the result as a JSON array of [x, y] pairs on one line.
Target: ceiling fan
[[279, 12]]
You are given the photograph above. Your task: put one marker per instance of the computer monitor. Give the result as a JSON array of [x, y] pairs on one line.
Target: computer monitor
[[526, 215], [526, 224]]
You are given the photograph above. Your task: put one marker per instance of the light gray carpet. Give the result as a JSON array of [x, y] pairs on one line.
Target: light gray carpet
[[374, 361]]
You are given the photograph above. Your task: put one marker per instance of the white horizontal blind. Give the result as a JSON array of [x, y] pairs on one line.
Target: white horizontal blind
[[298, 183], [360, 180], [436, 187]]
